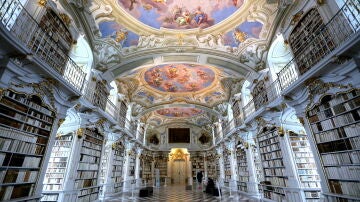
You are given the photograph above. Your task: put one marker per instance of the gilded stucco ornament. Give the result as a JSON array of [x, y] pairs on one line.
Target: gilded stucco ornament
[[317, 87], [42, 89], [42, 3], [65, 18], [296, 18], [80, 132]]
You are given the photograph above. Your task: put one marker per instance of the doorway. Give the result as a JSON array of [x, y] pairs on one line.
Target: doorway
[[178, 174]]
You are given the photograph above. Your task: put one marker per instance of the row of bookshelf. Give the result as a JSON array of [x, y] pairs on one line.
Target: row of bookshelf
[[338, 133], [17, 135], [277, 181], [86, 174], [344, 187], [318, 114], [16, 191], [28, 102], [17, 176], [89, 159], [270, 148], [18, 146], [338, 121], [50, 197], [92, 145], [79, 184], [344, 172], [92, 152], [348, 157], [19, 160]]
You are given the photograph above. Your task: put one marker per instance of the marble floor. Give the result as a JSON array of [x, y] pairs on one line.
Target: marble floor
[[177, 193]]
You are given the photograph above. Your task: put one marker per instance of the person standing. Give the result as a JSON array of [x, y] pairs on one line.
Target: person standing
[[199, 176]]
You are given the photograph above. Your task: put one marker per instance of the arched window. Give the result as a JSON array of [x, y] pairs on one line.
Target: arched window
[[279, 55], [81, 54]]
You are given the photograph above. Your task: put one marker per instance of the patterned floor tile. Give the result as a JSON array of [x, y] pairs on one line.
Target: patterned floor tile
[[176, 194]]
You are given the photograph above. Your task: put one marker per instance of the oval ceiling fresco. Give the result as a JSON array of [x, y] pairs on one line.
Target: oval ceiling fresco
[[180, 14], [179, 78], [179, 112]]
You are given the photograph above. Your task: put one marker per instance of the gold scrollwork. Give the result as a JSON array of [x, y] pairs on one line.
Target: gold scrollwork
[[80, 132], [42, 3]]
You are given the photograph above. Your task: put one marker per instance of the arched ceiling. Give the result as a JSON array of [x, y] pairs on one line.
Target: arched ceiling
[[180, 60]]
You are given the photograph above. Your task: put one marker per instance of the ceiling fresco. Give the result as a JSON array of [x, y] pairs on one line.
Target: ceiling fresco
[[111, 29], [179, 112], [180, 14], [179, 78], [242, 32]]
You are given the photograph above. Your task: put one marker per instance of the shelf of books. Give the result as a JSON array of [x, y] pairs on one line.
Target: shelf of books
[[161, 161], [56, 168], [25, 128], [275, 178], [258, 166], [211, 165], [147, 160], [334, 123], [89, 165], [227, 167], [117, 167], [243, 173], [197, 163], [305, 165]]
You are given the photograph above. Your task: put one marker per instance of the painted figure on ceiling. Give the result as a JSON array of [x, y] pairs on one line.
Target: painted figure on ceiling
[[200, 16]]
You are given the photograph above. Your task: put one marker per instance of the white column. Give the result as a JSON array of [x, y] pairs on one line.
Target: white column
[[145, 129], [205, 166], [137, 166], [128, 151], [108, 187], [219, 152], [293, 192], [71, 174], [213, 134], [253, 181], [233, 164]]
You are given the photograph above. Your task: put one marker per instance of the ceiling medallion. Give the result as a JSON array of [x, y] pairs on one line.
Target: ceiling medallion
[[179, 112], [179, 78]]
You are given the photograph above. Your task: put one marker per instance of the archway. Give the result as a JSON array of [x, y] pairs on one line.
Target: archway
[[179, 165]]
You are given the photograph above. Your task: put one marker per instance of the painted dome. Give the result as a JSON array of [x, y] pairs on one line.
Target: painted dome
[[179, 78], [180, 14]]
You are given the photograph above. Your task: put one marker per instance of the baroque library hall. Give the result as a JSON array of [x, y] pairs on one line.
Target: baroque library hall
[[180, 100]]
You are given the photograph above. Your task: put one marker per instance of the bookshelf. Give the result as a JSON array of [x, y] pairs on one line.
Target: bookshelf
[[242, 166], [86, 180], [147, 161], [117, 167], [305, 166], [258, 167], [308, 30], [57, 29], [57, 167], [259, 92], [88, 168], [275, 179], [227, 166], [161, 160], [25, 128], [211, 161], [197, 163], [334, 123]]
